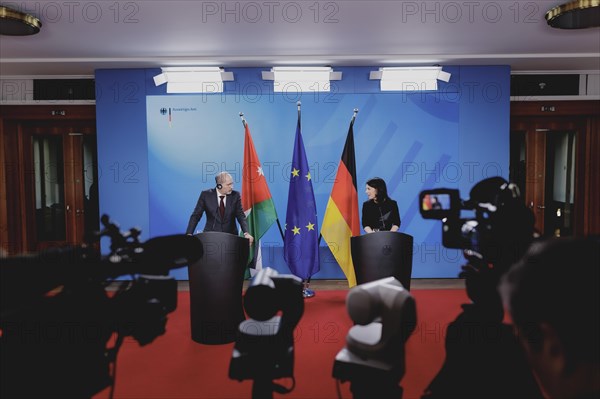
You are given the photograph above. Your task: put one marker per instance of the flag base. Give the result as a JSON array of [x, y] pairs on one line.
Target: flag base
[[307, 292]]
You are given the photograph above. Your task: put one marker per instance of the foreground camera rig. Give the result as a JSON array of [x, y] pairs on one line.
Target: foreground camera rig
[[58, 316], [264, 347], [483, 358]]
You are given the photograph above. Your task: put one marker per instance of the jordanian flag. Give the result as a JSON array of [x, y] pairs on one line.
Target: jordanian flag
[[256, 197], [341, 215]]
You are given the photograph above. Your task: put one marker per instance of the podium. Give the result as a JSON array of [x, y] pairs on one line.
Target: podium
[[216, 281], [382, 254]]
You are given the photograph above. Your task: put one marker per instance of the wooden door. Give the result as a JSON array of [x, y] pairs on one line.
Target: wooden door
[[547, 162], [47, 185], [60, 182]]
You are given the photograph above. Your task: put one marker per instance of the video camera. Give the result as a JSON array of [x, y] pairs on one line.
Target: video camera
[[373, 359], [500, 228], [264, 347], [483, 359], [58, 314]]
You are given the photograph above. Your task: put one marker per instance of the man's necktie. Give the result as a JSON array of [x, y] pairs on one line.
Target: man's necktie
[[222, 206]]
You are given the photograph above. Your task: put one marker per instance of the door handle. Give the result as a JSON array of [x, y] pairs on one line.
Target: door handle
[[68, 208]]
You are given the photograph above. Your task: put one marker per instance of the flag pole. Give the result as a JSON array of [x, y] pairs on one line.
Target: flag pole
[[243, 119], [277, 220], [354, 116], [280, 230]]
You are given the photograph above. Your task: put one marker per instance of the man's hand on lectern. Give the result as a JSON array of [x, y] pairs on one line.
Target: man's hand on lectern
[[249, 237]]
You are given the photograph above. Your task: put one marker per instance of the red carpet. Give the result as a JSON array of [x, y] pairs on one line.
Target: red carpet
[[174, 366]]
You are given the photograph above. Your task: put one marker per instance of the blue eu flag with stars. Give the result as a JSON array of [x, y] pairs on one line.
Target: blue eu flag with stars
[[301, 243]]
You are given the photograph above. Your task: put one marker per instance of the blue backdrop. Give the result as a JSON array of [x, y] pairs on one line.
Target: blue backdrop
[[157, 152]]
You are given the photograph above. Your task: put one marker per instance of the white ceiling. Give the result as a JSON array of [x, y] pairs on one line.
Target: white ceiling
[[80, 36]]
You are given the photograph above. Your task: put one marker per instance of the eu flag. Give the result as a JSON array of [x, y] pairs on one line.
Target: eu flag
[[301, 242]]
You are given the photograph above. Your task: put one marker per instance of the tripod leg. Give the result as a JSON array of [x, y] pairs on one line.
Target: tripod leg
[[262, 389], [379, 388]]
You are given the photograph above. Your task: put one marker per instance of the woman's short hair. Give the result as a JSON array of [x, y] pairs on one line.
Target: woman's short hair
[[379, 184]]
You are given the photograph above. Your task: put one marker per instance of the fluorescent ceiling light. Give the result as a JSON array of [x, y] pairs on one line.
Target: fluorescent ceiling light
[[193, 79], [301, 79], [409, 78]]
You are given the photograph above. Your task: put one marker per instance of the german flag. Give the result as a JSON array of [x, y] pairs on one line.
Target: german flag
[[341, 215]]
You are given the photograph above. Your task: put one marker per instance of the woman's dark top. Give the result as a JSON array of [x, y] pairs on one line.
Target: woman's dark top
[[380, 216]]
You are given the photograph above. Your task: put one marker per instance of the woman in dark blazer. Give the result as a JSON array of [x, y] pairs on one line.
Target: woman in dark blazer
[[380, 212]]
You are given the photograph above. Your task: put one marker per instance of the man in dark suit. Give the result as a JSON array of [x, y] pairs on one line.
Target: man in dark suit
[[223, 206]]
